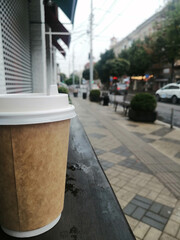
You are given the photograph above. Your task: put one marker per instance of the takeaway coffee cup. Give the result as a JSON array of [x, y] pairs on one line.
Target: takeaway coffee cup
[[34, 135]]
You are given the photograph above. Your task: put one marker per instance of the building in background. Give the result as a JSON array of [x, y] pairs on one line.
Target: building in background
[[142, 31], [162, 72]]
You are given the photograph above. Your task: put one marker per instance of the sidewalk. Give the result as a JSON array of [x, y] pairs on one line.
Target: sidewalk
[[142, 164]]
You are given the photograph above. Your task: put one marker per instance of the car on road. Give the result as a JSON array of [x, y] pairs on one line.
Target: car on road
[[118, 89], [169, 92]]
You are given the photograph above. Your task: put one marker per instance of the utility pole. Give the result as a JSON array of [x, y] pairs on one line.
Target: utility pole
[[91, 47], [73, 69]]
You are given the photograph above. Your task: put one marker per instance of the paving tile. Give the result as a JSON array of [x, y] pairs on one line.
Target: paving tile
[[99, 151], [134, 164], [114, 180], [140, 204], [172, 228], [165, 202], [153, 234], [115, 188], [122, 150], [138, 134], [96, 135], [153, 223], [132, 222], [144, 192], [122, 203], [167, 237], [105, 164], [129, 209], [177, 155], [138, 213], [156, 217], [148, 140], [143, 199], [161, 132], [149, 211], [175, 218], [176, 141], [120, 183], [178, 235], [140, 230], [156, 207], [166, 211]]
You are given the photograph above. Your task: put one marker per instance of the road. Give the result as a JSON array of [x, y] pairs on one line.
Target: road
[[164, 113]]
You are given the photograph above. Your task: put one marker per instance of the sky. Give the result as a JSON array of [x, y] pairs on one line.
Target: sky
[[111, 18]]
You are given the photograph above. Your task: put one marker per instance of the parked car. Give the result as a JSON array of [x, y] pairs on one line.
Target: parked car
[[118, 89], [169, 92]]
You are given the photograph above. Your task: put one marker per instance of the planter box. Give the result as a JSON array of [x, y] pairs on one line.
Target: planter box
[[141, 116]]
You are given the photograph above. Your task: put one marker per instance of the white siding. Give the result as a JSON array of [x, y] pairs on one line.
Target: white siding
[[38, 53], [2, 75], [15, 46]]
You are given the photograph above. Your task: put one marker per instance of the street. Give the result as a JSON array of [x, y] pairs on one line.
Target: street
[[164, 110]]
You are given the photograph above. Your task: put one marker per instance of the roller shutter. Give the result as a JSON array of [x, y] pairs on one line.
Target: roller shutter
[[14, 15]]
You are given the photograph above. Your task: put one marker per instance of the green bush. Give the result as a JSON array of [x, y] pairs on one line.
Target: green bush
[[94, 95], [143, 102], [63, 90]]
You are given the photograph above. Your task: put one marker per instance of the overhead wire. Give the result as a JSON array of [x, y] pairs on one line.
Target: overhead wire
[[111, 6], [117, 16]]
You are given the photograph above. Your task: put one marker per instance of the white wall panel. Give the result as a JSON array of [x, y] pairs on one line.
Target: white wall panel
[[15, 41], [38, 49], [2, 74]]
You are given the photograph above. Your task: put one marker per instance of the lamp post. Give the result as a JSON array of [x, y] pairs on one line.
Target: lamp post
[[91, 47]]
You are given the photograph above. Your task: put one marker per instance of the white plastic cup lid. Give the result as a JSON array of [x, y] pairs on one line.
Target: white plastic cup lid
[[32, 108]]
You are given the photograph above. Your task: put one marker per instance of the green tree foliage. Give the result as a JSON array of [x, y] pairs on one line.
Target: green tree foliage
[[86, 74], [166, 45], [63, 77], [139, 58], [117, 66], [102, 68], [69, 81]]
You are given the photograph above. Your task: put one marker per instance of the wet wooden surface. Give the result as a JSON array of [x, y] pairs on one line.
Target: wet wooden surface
[[91, 210]]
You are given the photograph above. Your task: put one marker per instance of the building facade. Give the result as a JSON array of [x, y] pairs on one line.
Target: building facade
[[29, 34], [142, 31]]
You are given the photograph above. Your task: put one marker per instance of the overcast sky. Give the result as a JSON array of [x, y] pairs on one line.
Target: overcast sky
[[112, 18]]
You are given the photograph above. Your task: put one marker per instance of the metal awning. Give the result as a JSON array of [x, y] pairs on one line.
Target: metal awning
[[56, 44], [68, 7], [52, 20]]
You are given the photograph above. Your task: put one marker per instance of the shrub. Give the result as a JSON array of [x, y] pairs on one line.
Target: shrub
[[94, 95], [143, 102], [62, 90]]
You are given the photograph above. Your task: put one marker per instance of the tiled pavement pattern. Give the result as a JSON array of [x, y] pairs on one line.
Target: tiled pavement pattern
[[153, 213], [142, 163]]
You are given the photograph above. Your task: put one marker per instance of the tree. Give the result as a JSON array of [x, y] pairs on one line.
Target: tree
[[101, 67], [117, 66], [138, 57], [86, 74], [63, 77], [69, 81], [167, 35]]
